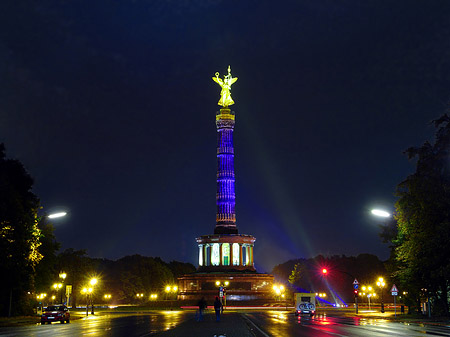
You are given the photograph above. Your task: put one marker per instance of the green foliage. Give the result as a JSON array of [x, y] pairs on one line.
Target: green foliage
[[46, 270], [296, 275], [19, 236], [422, 246]]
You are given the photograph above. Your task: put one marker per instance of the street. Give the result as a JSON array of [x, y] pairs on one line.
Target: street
[[239, 323], [279, 323]]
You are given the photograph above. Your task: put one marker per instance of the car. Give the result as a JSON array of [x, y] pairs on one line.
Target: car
[[55, 313]]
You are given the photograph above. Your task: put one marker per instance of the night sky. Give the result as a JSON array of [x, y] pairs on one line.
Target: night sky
[[110, 105]]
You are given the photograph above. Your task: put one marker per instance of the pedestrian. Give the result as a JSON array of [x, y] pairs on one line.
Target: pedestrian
[[201, 306], [218, 308]]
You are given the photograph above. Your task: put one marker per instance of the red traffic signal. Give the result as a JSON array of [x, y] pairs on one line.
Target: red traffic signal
[[324, 271], [356, 292]]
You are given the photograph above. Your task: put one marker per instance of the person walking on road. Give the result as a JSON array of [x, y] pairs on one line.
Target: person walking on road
[[218, 308], [201, 306]]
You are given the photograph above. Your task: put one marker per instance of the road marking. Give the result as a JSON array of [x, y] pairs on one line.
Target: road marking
[[257, 327]]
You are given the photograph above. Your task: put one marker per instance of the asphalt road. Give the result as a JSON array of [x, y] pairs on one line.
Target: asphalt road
[[282, 324], [262, 323], [115, 324]]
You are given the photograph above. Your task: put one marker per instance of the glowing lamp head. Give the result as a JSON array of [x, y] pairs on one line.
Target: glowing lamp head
[[57, 215], [380, 212], [93, 281], [168, 288]]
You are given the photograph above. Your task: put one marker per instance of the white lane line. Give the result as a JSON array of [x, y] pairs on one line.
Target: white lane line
[[257, 327]]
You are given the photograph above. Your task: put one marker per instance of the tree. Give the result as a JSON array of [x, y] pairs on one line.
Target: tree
[[46, 271], [296, 275], [422, 247], [19, 236]]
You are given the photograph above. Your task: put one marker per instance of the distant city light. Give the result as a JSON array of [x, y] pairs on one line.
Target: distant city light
[[379, 212], [57, 215]]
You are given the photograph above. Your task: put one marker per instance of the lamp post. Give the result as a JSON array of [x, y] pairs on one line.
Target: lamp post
[[223, 292], [87, 292], [57, 287], [62, 276], [92, 282], [381, 284]]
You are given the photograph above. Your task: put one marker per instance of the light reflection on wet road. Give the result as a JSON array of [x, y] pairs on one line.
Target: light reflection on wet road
[[282, 324], [114, 324], [262, 323]]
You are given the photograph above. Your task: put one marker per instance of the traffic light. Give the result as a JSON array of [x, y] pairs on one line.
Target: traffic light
[[324, 271], [355, 292]]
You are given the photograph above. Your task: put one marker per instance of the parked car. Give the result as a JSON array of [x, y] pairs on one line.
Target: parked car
[[54, 313]]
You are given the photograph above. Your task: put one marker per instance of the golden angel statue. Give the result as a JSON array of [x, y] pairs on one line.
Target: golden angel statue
[[225, 94]]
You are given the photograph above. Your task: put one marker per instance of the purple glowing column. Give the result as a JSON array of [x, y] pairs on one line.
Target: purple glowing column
[[226, 198]]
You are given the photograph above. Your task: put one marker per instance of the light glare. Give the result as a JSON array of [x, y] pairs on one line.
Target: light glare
[[379, 212], [57, 215]]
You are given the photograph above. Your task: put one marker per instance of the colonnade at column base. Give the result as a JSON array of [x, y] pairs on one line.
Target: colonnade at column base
[[225, 252]]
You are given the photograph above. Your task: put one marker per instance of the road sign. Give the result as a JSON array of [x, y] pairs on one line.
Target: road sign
[[394, 288], [356, 286], [355, 281], [394, 293]]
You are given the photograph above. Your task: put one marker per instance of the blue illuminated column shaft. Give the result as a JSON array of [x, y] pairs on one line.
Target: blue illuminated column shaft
[[226, 198]]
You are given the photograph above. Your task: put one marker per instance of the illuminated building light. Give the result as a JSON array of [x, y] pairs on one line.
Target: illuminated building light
[[236, 256], [225, 254], [215, 258]]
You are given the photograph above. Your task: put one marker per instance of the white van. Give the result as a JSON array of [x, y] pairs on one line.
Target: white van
[[305, 304]]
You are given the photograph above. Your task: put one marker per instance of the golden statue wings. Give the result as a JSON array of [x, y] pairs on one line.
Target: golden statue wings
[[225, 94]]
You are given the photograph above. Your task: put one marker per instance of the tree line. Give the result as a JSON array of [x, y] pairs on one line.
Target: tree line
[[30, 263]]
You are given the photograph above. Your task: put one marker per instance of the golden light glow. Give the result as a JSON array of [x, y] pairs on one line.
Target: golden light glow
[[227, 283], [217, 283], [57, 286], [53, 297], [93, 281], [168, 288], [174, 288], [154, 296], [63, 276], [225, 84]]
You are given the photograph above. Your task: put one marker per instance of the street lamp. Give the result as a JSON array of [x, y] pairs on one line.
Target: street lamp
[[381, 284], [171, 289], [87, 292], [93, 281], [381, 213], [57, 287], [56, 215], [63, 276]]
